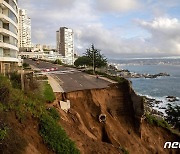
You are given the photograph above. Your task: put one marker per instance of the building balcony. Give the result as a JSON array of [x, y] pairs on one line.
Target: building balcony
[[4, 3], [9, 59], [8, 46], [6, 32], [6, 19]]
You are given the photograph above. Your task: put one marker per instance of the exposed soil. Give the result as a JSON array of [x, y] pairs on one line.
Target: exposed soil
[[121, 129], [22, 137]]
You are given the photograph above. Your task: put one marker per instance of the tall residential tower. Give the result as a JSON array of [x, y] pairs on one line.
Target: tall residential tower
[[8, 35], [24, 29], [65, 44]]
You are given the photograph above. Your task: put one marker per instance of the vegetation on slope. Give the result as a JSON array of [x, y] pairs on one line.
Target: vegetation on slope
[[173, 116], [168, 123], [154, 121], [55, 136], [48, 92], [3, 132], [31, 104]]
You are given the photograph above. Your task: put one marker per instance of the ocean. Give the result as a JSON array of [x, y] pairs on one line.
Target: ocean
[[157, 88]]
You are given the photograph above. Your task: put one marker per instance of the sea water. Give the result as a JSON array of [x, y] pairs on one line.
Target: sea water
[[157, 88]]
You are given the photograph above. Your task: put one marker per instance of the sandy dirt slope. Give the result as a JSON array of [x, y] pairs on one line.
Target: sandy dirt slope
[[23, 137], [120, 129]]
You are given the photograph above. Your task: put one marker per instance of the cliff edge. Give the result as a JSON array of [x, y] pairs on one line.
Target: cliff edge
[[122, 129]]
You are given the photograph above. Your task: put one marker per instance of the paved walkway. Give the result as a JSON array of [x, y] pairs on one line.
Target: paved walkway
[[55, 84], [104, 78]]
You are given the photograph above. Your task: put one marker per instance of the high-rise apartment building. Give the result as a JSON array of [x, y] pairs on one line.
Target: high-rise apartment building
[[8, 35], [65, 44], [24, 29]]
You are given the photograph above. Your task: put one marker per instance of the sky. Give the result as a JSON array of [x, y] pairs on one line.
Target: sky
[[119, 28]]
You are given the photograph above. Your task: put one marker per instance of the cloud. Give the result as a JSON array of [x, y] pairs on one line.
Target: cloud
[[163, 39], [117, 5], [47, 17], [165, 34], [85, 18], [108, 41], [159, 8]]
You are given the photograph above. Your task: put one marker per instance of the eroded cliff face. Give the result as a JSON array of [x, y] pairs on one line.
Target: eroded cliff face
[[123, 128]]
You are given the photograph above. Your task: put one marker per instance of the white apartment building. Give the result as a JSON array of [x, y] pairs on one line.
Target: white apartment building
[[37, 47], [24, 29], [65, 44], [8, 35]]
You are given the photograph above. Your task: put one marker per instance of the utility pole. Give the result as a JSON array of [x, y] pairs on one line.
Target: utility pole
[[22, 79], [93, 63]]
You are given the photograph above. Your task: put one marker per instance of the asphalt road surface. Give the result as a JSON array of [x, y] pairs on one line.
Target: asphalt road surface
[[71, 81]]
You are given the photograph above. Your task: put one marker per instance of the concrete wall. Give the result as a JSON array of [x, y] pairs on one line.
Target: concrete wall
[[8, 67]]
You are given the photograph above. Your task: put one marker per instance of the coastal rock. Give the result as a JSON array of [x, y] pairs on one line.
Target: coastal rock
[[155, 75], [128, 74], [172, 99], [162, 108]]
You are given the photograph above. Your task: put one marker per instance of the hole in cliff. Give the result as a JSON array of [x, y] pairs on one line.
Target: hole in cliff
[[105, 137], [102, 118]]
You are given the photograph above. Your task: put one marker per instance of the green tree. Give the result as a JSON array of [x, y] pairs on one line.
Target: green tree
[[96, 59], [173, 115], [25, 65], [58, 61], [82, 61]]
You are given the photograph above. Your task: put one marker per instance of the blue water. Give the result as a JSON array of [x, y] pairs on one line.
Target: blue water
[[160, 87], [157, 88]]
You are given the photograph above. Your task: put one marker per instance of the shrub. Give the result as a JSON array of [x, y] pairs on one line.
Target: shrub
[[42, 77], [58, 61], [5, 87], [53, 113], [25, 65], [125, 151], [153, 121], [173, 115], [3, 132], [15, 80], [55, 137]]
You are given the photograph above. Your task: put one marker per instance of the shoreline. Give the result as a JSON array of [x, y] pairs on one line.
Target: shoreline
[[158, 105]]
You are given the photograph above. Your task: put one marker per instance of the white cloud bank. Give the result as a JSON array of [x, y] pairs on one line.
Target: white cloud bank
[[165, 34], [85, 19], [163, 40]]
